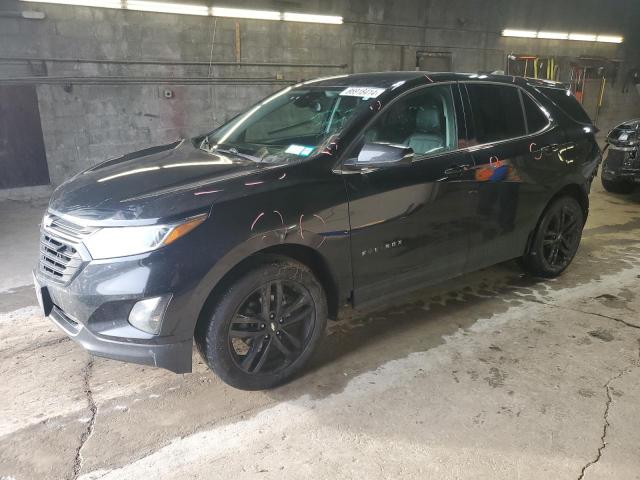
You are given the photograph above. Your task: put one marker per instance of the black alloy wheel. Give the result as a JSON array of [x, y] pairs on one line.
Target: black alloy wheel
[[272, 327], [561, 238], [262, 327], [556, 239]]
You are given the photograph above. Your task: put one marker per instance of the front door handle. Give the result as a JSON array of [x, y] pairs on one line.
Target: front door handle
[[455, 170]]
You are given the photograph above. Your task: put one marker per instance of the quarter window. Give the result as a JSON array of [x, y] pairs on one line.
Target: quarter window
[[536, 120], [568, 103], [424, 121], [496, 112]]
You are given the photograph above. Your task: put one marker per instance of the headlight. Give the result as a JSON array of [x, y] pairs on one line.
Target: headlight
[[112, 242]]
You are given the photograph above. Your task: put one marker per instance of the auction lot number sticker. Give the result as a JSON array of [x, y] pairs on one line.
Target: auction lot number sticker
[[366, 92]]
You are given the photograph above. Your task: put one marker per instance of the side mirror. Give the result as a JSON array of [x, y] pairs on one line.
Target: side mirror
[[381, 155]]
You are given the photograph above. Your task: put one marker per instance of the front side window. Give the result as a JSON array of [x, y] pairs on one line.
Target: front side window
[[289, 126], [496, 112], [423, 120]]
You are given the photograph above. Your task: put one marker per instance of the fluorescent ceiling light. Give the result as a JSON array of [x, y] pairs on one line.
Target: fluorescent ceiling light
[[306, 17], [609, 39], [194, 9], [582, 37], [553, 35], [165, 7], [83, 3], [519, 33], [244, 13]]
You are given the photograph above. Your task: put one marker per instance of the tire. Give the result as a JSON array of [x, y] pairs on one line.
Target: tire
[[618, 186], [556, 238], [253, 349]]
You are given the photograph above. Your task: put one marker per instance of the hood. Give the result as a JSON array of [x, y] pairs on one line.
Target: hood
[[626, 134], [158, 182]]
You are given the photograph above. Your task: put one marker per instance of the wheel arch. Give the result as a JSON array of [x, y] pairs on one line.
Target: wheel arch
[[579, 192], [298, 252], [574, 190]]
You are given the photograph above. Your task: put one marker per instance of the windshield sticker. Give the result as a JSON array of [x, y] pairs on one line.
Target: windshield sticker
[[365, 92], [300, 150]]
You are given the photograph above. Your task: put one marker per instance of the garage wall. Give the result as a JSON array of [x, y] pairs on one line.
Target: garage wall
[[85, 120]]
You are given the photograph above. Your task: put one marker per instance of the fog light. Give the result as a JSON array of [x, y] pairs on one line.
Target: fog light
[[146, 315]]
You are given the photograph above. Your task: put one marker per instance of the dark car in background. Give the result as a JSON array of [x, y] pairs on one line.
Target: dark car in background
[[621, 167], [341, 190]]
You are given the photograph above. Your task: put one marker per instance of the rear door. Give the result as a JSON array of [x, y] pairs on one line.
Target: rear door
[[410, 224], [515, 147]]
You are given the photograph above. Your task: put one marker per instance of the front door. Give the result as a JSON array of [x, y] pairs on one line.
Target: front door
[[410, 224]]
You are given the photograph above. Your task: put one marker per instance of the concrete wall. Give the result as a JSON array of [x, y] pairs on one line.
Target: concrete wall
[[85, 124]]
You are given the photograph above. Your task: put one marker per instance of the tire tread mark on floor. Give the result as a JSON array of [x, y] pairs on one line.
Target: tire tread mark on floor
[[39, 345]]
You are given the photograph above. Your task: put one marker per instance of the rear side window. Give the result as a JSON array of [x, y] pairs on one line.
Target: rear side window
[[496, 111], [536, 120], [567, 103]]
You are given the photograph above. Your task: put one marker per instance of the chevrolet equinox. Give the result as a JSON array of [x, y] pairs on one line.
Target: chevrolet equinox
[[340, 190]]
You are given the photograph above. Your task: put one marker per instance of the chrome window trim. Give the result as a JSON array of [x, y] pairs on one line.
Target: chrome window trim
[[537, 89], [338, 167], [551, 122]]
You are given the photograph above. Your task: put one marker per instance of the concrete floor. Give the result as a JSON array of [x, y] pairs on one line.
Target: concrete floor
[[493, 375]]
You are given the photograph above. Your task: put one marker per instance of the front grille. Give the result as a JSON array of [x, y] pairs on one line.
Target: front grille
[[66, 229], [615, 158], [67, 323], [60, 259], [631, 163]]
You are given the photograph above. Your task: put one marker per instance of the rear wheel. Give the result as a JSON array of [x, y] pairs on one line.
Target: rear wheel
[[263, 330], [618, 186], [556, 239]]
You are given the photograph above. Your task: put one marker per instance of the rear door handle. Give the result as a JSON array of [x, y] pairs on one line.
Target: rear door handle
[[455, 170], [553, 148]]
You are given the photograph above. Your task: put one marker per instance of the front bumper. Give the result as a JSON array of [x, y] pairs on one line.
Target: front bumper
[[172, 356], [622, 164], [93, 307]]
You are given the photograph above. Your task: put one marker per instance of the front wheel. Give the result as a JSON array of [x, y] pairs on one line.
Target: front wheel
[[556, 239], [618, 186], [266, 325]]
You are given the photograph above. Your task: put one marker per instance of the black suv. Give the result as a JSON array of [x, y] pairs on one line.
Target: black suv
[[347, 189], [621, 168]]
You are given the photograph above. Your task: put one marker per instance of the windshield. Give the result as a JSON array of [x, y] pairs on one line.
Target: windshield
[[291, 125]]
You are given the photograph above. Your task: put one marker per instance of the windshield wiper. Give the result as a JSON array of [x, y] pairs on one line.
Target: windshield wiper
[[235, 152], [289, 127]]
